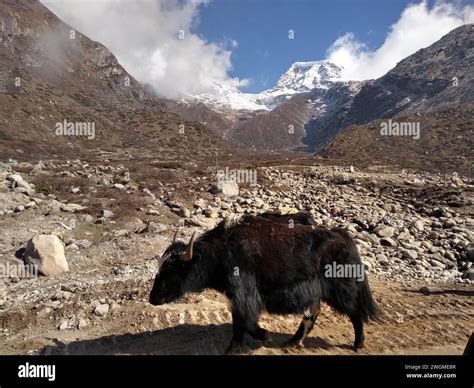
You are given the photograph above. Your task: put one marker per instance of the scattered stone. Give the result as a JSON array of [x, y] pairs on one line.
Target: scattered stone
[[156, 228], [388, 242], [121, 233], [19, 209], [107, 213], [426, 245], [410, 254], [148, 192], [184, 212], [81, 324], [418, 225], [384, 231], [72, 207], [101, 310], [69, 288], [88, 218], [206, 223]]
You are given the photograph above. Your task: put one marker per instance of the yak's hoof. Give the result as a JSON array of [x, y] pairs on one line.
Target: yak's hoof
[[293, 343], [358, 345]]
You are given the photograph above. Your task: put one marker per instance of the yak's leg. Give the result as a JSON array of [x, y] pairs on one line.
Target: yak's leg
[[260, 333], [359, 332], [240, 326], [246, 306], [306, 325], [238, 332], [256, 332]]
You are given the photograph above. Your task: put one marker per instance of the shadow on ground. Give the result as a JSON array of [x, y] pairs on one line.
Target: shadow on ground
[[179, 340]]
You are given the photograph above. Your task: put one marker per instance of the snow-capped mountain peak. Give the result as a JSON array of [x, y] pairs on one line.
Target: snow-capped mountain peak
[[301, 77], [304, 76]]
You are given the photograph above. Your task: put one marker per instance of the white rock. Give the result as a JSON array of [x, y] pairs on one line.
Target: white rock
[[46, 252], [71, 207], [107, 213], [101, 310], [19, 181], [228, 188], [384, 231]]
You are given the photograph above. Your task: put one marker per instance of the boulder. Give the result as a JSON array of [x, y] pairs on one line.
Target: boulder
[[228, 188], [18, 181], [46, 252]]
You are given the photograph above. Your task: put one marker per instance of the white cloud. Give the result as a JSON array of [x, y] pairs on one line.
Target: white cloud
[[145, 37], [418, 26]]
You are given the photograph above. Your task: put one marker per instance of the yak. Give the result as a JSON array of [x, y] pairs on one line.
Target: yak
[[263, 262]]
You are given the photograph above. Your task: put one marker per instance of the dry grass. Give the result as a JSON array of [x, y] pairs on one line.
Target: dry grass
[[53, 184], [124, 205], [153, 177]]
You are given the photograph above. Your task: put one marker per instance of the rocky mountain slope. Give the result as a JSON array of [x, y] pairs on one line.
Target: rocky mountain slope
[[446, 142], [323, 109], [433, 88], [434, 77], [50, 73], [310, 98]]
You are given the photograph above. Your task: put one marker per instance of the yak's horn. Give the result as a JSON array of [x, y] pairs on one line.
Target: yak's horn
[[175, 235], [189, 250]]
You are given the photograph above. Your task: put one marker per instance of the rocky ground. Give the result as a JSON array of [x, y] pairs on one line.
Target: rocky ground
[[113, 218]]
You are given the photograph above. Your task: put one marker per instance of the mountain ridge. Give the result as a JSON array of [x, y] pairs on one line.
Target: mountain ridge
[[51, 72]]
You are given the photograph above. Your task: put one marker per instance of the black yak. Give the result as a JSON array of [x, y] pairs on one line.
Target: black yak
[[266, 263]]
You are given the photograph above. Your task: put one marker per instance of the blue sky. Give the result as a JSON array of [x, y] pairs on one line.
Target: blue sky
[[261, 27]]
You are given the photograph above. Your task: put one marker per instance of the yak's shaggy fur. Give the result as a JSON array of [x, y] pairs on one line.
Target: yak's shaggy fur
[[260, 262]]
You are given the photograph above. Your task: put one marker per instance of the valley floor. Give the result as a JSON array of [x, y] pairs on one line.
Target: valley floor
[[420, 276]]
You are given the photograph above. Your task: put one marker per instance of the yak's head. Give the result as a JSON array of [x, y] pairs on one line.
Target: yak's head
[[175, 273]]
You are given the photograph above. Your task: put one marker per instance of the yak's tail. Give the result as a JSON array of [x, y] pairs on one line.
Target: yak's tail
[[366, 305], [350, 296]]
